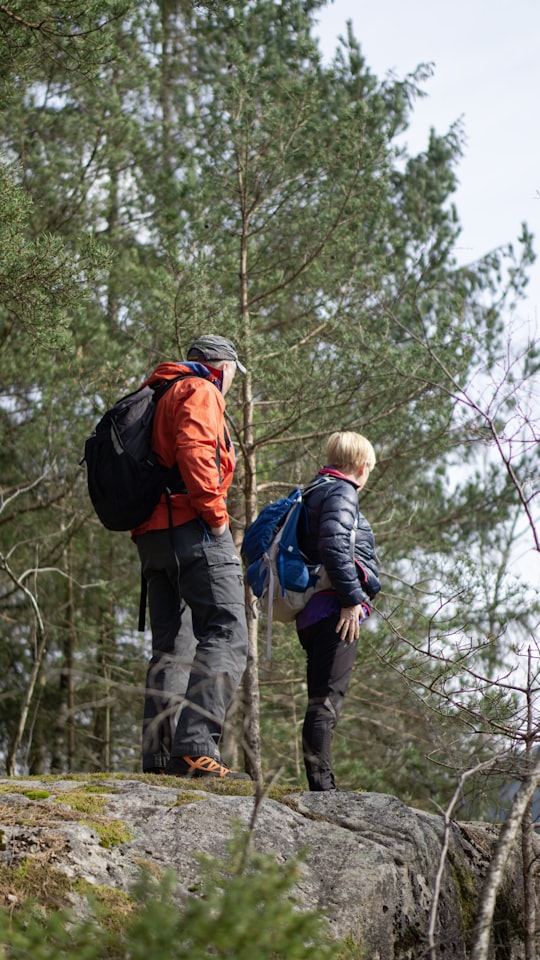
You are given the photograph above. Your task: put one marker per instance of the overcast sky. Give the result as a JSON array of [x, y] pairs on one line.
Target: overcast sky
[[486, 58]]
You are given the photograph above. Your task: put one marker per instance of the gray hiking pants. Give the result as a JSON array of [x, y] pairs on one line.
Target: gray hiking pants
[[199, 640]]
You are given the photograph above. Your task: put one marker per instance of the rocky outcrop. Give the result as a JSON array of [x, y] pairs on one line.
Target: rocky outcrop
[[370, 860]]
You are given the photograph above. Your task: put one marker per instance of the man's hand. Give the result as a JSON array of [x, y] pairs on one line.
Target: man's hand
[[349, 622], [218, 531]]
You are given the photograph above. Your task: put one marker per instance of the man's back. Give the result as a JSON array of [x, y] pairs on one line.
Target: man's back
[[189, 428]]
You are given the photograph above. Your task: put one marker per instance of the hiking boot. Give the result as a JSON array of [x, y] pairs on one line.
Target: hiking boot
[[202, 767], [156, 771]]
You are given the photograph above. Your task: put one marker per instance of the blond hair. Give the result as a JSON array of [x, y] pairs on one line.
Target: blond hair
[[347, 451]]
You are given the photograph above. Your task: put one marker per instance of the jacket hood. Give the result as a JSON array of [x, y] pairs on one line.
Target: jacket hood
[[337, 475], [171, 369]]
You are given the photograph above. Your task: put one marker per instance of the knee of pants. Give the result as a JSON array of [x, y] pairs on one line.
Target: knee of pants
[[331, 706]]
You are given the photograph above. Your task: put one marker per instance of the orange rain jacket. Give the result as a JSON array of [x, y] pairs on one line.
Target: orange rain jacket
[[189, 427]]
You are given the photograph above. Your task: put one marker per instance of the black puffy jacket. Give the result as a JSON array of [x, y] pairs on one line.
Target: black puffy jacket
[[332, 531]]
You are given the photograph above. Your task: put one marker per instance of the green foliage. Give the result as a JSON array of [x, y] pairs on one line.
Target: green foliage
[[244, 910], [73, 37], [40, 282]]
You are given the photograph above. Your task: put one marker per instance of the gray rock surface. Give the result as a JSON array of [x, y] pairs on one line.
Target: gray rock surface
[[371, 861]]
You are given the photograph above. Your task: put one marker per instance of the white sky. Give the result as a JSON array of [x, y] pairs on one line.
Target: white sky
[[486, 57]]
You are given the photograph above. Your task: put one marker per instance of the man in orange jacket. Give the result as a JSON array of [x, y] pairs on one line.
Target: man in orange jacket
[[193, 571]]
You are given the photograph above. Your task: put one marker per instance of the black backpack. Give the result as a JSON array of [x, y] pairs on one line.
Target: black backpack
[[125, 478]]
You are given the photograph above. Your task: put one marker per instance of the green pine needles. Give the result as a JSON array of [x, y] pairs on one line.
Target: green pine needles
[[243, 909]]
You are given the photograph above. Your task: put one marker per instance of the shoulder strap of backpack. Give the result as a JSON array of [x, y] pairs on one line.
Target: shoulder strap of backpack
[[163, 385], [317, 482], [309, 487]]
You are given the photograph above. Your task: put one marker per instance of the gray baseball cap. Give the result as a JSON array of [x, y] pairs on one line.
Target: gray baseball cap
[[214, 348]]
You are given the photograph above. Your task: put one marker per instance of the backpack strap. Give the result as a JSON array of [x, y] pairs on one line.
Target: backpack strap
[[142, 603], [270, 612], [218, 460], [307, 489], [317, 482], [144, 586]]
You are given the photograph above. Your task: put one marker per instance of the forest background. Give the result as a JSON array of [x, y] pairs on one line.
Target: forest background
[[169, 169]]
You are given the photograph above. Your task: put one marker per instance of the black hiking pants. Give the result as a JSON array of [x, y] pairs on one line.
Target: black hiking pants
[[329, 667]]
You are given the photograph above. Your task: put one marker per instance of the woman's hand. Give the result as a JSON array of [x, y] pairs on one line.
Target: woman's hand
[[349, 622]]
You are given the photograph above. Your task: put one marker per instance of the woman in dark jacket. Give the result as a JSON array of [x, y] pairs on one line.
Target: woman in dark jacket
[[333, 532]]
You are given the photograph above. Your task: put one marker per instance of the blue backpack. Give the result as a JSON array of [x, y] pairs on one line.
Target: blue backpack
[[276, 569]]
